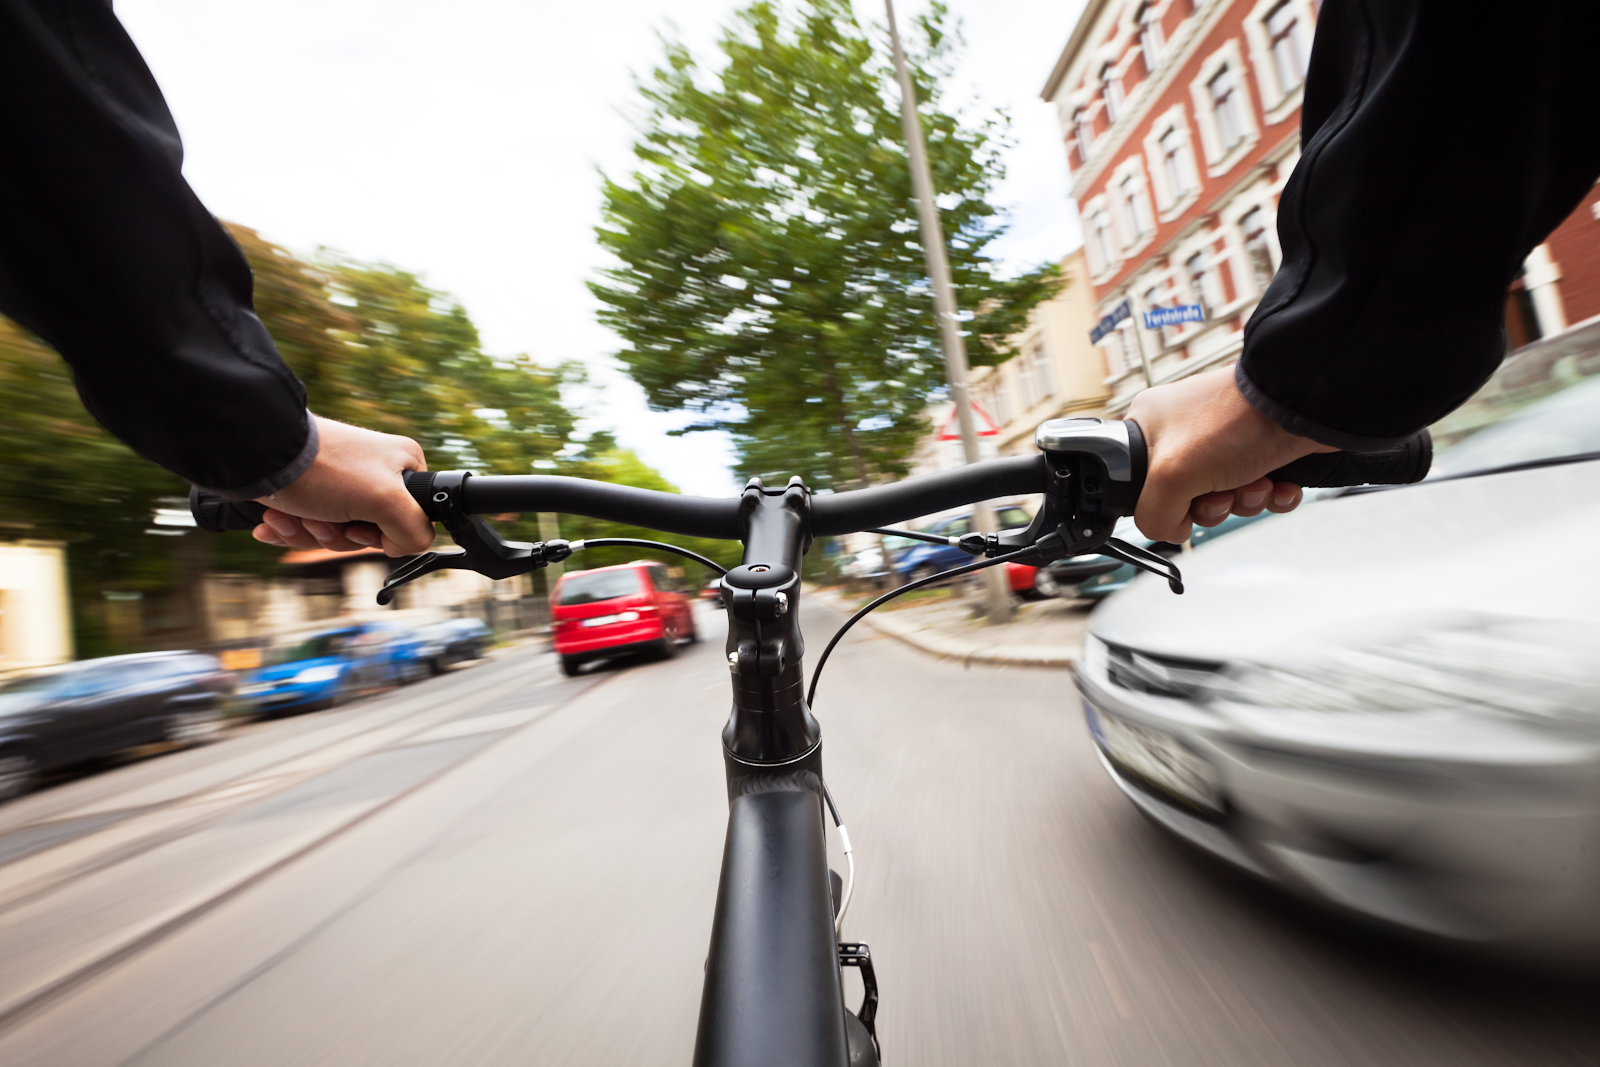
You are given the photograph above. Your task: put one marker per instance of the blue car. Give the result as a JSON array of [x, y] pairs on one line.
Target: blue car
[[918, 559], [325, 669]]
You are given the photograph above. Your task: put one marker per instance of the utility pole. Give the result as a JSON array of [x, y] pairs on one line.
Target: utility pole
[[997, 598]]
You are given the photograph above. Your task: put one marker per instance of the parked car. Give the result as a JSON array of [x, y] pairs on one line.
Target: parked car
[[866, 565], [325, 669], [613, 611], [919, 559], [1345, 703], [444, 644], [712, 593], [53, 719]]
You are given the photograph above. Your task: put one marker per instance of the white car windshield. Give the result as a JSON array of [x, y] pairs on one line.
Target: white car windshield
[[1542, 405]]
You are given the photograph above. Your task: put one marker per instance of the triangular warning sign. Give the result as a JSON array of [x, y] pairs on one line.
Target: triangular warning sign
[[950, 430]]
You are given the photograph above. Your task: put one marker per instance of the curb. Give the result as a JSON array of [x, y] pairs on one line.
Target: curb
[[968, 652]]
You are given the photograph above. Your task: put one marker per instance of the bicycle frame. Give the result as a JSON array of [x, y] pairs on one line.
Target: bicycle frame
[[772, 937]]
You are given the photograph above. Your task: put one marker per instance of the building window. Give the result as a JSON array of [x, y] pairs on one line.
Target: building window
[[1203, 283], [1044, 379], [1137, 209], [1002, 400], [1111, 89], [1025, 383], [1290, 57], [1151, 40], [1103, 244], [1257, 247], [1084, 131], [1225, 106], [1175, 162]]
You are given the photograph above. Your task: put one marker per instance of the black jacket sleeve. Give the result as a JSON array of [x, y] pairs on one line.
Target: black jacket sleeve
[[1442, 142], [108, 256]]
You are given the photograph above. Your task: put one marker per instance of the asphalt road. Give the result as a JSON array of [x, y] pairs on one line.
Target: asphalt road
[[503, 866]]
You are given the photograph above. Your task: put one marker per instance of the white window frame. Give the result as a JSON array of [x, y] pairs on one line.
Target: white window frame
[[1259, 195], [1219, 160], [1131, 170], [1277, 101], [1112, 94], [1152, 38], [1171, 203], [1044, 371], [1027, 388], [1103, 260]]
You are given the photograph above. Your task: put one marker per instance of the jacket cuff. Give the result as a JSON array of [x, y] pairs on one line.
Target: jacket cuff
[[271, 484], [1301, 426]]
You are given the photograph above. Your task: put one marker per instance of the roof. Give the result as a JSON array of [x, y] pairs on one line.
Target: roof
[[1086, 21]]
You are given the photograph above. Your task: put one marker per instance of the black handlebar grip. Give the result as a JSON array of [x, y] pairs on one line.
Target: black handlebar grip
[[216, 515], [1397, 466]]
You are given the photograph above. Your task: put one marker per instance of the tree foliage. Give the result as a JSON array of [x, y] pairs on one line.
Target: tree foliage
[[770, 273], [374, 346]]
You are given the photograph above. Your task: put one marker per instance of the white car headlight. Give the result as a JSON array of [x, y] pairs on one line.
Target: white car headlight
[[628, 616], [311, 675], [1523, 668]]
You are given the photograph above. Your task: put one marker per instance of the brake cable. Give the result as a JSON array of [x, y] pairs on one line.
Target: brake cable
[[659, 546], [849, 859], [954, 572]]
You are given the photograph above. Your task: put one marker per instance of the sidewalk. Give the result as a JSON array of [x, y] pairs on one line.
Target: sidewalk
[[1042, 633]]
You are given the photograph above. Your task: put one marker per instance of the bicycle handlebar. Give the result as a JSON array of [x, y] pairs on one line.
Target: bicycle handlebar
[[834, 513]]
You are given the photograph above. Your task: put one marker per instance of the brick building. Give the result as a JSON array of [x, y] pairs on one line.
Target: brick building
[[1182, 123]]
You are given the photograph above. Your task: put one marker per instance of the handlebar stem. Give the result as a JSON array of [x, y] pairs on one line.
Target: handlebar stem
[[770, 724]]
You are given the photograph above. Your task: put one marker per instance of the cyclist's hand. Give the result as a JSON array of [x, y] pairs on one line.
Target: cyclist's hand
[[1209, 452], [352, 497]]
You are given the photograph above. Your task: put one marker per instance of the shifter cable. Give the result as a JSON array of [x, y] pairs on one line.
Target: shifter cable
[[966, 568]]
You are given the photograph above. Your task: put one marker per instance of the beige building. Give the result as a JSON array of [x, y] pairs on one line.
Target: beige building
[[1056, 372], [35, 610]]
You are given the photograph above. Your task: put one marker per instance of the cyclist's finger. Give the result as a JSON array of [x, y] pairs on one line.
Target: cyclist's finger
[[1212, 508], [287, 530], [1286, 496], [341, 536], [1251, 500]]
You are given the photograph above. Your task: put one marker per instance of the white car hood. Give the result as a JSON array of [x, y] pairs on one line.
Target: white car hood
[[1508, 546]]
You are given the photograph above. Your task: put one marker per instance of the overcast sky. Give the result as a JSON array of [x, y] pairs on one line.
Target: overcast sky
[[461, 140]]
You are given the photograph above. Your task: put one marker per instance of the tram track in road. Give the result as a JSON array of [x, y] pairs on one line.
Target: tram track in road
[[149, 813], [69, 911]]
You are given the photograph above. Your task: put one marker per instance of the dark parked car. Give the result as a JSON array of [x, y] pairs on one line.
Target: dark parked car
[[56, 718], [922, 560]]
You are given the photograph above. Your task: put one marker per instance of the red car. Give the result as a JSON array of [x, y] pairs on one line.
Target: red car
[[614, 611], [1032, 583]]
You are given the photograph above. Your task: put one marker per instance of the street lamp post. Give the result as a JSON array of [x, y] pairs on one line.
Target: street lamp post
[[997, 598]]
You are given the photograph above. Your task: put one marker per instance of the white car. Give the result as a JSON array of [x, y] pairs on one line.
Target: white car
[[1389, 701]]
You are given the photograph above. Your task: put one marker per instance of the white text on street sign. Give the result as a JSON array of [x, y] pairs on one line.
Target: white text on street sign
[[1156, 318]]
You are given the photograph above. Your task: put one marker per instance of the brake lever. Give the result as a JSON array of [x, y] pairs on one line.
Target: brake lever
[[483, 550], [1145, 560]]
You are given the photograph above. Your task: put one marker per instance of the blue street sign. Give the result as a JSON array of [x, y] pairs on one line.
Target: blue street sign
[[1156, 318], [1109, 323]]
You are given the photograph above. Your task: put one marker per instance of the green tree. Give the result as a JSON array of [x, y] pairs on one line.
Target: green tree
[[373, 345], [770, 276]]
